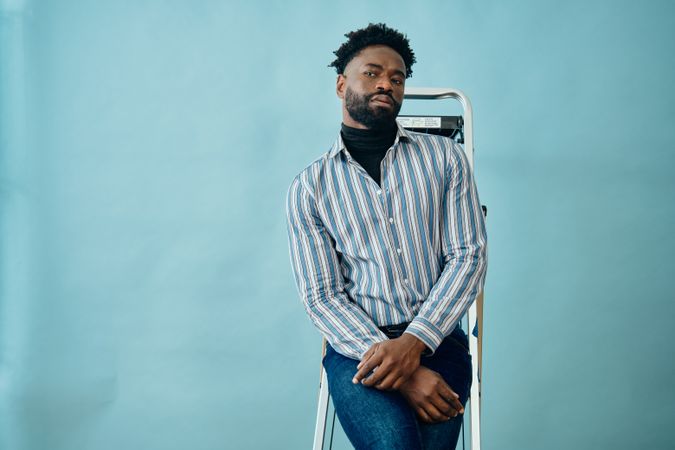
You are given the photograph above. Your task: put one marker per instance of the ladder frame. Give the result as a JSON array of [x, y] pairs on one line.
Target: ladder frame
[[474, 314]]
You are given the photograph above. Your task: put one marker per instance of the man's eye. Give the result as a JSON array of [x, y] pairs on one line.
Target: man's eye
[[397, 81], [369, 74]]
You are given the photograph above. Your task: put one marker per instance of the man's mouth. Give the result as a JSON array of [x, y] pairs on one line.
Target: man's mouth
[[384, 99]]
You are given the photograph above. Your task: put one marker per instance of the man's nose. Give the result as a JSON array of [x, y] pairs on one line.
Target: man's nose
[[384, 84]]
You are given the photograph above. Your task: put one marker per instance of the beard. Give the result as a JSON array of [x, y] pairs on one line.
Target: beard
[[373, 117]]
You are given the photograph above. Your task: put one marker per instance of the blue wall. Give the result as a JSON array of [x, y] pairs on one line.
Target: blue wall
[[146, 299]]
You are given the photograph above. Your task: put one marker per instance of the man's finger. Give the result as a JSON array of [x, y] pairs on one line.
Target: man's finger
[[455, 403], [399, 383], [434, 413], [388, 383], [366, 356], [379, 374], [421, 413], [444, 406], [366, 368], [452, 398]]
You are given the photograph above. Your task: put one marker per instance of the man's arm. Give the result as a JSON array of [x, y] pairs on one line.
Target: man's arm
[[317, 274], [464, 246], [463, 240]]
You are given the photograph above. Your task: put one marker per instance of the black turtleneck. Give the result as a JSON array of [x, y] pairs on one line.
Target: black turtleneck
[[368, 147]]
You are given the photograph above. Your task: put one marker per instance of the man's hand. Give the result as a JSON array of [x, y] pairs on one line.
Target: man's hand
[[430, 396], [392, 362]]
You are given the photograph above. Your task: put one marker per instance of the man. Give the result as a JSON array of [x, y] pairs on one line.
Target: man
[[388, 247]]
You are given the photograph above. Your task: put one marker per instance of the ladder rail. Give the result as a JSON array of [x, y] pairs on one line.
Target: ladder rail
[[475, 312]]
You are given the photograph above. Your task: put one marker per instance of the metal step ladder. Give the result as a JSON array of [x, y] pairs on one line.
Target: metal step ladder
[[459, 128]]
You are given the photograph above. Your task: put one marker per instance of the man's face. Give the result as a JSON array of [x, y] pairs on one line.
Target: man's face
[[372, 88]]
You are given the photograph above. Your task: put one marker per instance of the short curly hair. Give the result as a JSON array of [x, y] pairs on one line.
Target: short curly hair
[[373, 34]]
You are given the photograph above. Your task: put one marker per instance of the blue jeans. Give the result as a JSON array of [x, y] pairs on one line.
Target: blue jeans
[[374, 419]]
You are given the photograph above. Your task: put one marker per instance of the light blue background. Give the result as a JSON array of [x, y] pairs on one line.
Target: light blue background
[[146, 298]]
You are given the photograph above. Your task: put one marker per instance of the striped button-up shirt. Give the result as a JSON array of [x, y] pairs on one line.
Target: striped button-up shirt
[[411, 250]]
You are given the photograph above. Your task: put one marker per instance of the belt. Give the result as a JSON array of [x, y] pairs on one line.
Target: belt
[[394, 331]]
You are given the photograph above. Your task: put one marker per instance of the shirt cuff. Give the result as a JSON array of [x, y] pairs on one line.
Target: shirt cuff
[[426, 332]]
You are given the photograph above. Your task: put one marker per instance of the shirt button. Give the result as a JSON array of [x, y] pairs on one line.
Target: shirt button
[[398, 250], [405, 281], [391, 220], [379, 192]]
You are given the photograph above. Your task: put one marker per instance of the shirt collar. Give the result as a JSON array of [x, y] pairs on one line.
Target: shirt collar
[[401, 134]]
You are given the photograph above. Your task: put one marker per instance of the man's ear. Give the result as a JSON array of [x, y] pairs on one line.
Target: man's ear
[[340, 86]]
